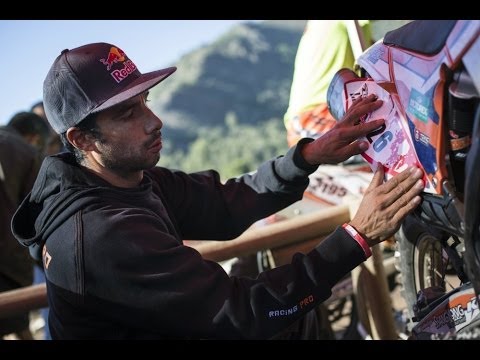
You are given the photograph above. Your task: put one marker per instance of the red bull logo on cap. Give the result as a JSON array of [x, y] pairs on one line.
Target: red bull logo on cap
[[116, 55]]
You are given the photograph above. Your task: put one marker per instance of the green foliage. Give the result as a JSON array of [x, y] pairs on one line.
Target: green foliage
[[246, 72], [232, 151], [224, 106]]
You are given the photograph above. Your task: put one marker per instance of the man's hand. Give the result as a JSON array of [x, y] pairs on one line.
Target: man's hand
[[385, 205], [340, 142]]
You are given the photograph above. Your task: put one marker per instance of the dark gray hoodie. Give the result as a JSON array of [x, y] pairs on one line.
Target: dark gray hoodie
[[116, 267]]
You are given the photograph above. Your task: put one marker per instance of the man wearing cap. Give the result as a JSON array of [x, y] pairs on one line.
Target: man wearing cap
[[109, 224]]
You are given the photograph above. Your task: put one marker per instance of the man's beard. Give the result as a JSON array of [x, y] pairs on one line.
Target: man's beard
[[124, 161]]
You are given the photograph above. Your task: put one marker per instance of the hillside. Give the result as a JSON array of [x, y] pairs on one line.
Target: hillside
[[224, 106], [245, 75]]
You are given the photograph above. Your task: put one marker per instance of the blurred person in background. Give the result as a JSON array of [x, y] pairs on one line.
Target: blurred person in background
[[51, 144], [54, 143], [21, 151], [32, 128], [325, 48]]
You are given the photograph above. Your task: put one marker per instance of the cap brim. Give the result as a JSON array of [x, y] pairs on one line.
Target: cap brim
[[140, 85]]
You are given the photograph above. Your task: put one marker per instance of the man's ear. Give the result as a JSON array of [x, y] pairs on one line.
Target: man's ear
[[80, 139]]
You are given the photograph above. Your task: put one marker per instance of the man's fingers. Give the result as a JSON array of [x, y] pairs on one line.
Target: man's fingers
[[354, 132], [364, 108], [409, 176], [360, 99], [354, 148], [404, 193], [406, 209], [377, 179]]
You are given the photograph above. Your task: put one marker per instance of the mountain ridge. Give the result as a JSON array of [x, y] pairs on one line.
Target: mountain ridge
[[246, 74]]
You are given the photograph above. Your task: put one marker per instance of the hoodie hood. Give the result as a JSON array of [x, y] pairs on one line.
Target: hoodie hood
[[62, 188]]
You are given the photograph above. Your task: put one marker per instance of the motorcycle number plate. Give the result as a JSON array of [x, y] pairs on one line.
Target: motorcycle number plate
[[391, 144]]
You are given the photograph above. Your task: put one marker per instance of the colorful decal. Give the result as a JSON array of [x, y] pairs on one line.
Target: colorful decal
[[418, 105], [390, 144]]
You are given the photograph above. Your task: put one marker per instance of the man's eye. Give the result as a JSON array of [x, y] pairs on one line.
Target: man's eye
[[128, 114]]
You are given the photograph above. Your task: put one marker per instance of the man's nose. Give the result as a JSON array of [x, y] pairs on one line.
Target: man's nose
[[153, 123]]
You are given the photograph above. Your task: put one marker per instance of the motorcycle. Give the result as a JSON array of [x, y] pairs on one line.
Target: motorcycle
[[428, 74]]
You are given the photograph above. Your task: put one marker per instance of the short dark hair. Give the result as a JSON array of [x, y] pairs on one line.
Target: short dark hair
[[29, 123], [37, 104], [88, 125]]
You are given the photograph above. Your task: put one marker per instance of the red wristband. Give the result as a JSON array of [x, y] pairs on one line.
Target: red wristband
[[358, 238]]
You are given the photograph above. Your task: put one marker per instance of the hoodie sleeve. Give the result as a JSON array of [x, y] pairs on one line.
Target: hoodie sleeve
[[206, 208], [167, 288]]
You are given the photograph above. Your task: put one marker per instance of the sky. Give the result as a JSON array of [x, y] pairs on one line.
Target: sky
[[29, 47]]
